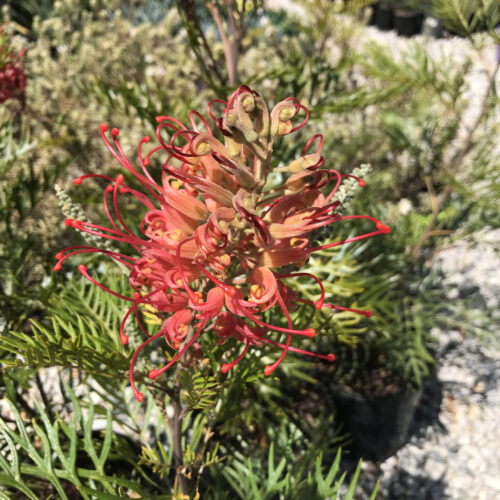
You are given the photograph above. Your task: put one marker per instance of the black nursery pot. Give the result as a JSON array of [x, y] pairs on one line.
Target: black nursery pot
[[408, 23], [384, 17], [378, 425]]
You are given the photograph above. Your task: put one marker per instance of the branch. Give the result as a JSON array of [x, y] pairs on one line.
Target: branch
[[232, 39], [175, 424], [189, 9]]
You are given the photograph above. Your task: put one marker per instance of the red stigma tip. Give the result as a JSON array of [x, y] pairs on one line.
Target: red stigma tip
[[57, 267], [103, 128], [109, 188], [69, 222], [124, 339], [368, 314], [230, 290], [59, 255], [225, 368], [309, 332], [319, 304], [120, 179], [382, 228], [268, 370], [139, 396], [82, 268], [114, 132], [154, 373], [361, 183], [137, 295], [331, 357], [77, 181], [146, 138], [146, 162]]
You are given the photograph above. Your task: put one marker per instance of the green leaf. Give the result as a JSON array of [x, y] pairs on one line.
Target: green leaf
[[354, 481]]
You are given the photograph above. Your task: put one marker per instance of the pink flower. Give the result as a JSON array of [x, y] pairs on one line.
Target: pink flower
[[12, 74], [213, 235]]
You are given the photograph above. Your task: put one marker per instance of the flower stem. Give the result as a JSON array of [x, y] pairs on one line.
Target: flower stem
[[175, 424]]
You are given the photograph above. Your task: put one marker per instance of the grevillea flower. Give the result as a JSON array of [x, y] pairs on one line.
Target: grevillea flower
[[214, 235], [12, 75]]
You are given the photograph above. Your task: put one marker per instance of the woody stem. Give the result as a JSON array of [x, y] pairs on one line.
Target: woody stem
[[231, 40], [175, 424]]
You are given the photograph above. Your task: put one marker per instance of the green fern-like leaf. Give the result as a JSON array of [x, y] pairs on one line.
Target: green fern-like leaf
[[45, 456], [200, 390], [86, 340], [158, 460]]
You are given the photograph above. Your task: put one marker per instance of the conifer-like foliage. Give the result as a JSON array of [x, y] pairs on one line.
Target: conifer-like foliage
[[465, 17]]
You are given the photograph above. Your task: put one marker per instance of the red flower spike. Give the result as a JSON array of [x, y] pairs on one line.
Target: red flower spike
[[12, 71], [211, 240]]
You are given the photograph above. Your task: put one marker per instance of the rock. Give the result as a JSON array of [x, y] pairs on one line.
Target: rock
[[493, 483], [435, 470], [480, 387]]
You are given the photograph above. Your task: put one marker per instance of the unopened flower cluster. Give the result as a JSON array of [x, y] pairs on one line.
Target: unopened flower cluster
[[12, 74], [215, 238]]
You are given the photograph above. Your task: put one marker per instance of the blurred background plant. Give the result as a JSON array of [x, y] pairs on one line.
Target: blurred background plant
[[410, 115]]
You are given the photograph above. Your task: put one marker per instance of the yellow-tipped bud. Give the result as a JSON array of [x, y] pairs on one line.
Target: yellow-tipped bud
[[286, 114], [248, 104]]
